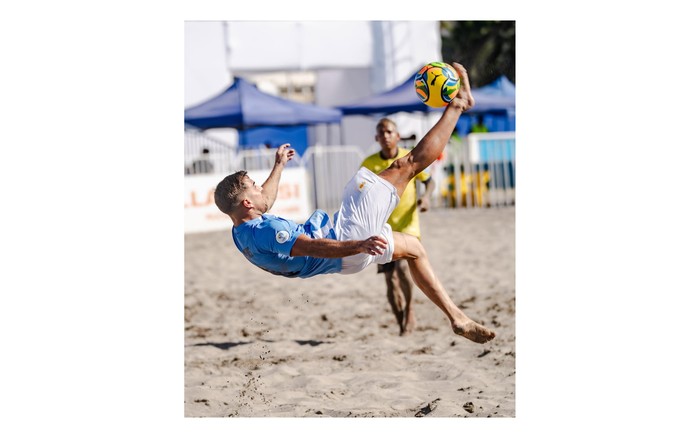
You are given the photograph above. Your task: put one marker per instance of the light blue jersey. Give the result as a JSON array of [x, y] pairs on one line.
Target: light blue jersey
[[268, 240]]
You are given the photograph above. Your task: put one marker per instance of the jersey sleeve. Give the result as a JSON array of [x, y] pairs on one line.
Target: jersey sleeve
[[277, 236], [423, 176]]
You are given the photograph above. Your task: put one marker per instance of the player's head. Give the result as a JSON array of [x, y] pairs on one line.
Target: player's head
[[387, 134], [238, 195], [230, 191]]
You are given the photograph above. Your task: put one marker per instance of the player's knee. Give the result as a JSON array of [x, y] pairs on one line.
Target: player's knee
[[420, 249], [415, 247]]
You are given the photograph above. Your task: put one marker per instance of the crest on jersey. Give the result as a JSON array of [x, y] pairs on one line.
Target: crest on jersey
[[282, 236]]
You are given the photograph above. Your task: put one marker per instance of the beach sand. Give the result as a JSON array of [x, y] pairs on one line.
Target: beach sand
[[258, 345]]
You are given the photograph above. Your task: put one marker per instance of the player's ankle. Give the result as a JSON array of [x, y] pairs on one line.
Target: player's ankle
[[460, 104]]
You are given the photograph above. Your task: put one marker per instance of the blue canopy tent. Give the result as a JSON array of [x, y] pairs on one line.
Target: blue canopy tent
[[259, 117], [401, 98], [495, 120], [500, 87], [494, 100]]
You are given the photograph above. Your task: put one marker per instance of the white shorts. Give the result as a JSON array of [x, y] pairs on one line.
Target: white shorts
[[368, 201]]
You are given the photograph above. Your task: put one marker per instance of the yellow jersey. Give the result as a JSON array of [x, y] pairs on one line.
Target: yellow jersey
[[405, 215]]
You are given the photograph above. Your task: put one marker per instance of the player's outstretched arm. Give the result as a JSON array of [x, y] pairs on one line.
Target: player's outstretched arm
[[332, 249], [271, 184]]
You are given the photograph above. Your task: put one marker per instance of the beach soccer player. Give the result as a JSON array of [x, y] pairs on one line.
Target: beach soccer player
[[359, 234], [404, 218]]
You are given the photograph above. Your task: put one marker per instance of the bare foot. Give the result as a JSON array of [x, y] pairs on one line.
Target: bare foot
[[473, 331], [409, 323], [464, 99]]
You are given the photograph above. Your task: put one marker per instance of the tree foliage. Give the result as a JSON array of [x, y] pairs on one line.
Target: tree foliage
[[486, 48]]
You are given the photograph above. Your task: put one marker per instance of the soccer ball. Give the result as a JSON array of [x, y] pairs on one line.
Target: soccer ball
[[436, 84]]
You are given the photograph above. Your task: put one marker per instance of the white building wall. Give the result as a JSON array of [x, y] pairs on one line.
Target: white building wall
[[401, 48], [258, 46], [206, 72]]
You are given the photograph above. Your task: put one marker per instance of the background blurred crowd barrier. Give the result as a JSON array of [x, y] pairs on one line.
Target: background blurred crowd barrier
[[477, 171], [484, 165]]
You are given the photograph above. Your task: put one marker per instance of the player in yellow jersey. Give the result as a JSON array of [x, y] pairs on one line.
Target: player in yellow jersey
[[403, 219]]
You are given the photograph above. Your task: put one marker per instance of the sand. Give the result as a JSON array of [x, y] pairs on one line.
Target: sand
[[258, 345]]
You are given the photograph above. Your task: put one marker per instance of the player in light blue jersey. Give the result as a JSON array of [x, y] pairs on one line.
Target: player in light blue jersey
[[268, 240], [360, 235]]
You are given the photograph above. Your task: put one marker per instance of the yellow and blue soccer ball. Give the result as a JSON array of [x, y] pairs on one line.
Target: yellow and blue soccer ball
[[437, 83]]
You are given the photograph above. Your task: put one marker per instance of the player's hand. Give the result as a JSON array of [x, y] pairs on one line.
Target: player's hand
[[423, 204], [284, 154], [375, 245]]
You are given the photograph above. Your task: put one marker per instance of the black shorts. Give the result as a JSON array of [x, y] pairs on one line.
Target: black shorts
[[386, 267]]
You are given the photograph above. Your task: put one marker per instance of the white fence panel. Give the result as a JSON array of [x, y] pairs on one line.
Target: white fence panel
[[330, 168], [201, 149]]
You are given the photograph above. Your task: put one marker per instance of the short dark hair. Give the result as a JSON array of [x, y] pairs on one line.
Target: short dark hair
[[228, 192], [385, 121]]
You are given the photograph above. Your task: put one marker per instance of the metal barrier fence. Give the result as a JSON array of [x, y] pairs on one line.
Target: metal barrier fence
[[204, 154], [330, 168], [480, 171], [477, 172]]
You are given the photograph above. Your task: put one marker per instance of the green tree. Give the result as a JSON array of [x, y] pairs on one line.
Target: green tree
[[487, 48]]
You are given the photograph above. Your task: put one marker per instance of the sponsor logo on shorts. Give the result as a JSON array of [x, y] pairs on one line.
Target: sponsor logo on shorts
[[282, 236]]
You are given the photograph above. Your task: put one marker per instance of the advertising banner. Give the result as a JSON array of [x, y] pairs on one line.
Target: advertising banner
[[201, 213]]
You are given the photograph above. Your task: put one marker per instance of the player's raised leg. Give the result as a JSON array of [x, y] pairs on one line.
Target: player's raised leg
[[431, 146], [409, 247]]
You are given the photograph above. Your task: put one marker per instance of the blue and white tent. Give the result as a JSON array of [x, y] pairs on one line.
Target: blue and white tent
[[243, 106]]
